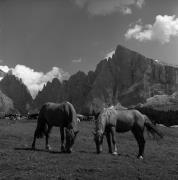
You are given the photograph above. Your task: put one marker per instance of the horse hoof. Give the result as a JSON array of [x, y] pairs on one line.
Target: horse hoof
[[33, 147], [48, 148], [114, 153], [62, 149], [140, 157], [69, 151]]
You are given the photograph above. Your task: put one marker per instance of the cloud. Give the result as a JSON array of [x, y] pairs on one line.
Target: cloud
[[77, 60], [5, 68], [35, 80], [81, 3], [162, 30], [105, 7], [110, 54], [140, 3]]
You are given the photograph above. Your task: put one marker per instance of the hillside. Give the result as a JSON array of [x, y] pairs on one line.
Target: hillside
[[6, 104], [14, 88]]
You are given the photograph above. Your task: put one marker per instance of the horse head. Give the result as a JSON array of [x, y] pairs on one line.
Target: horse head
[[70, 139], [98, 139], [99, 132]]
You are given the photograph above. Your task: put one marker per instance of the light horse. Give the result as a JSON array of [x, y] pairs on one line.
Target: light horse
[[112, 120], [61, 115]]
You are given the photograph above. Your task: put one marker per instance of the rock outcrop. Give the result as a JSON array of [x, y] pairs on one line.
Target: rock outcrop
[[162, 102]]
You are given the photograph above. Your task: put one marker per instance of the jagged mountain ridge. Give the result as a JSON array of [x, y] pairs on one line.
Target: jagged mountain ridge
[[128, 77], [6, 104], [14, 88], [2, 74]]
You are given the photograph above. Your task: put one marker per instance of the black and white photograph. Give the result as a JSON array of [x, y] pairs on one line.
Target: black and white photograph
[[88, 89]]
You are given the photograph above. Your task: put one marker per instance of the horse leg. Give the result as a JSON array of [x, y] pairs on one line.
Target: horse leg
[[62, 139], [47, 138], [141, 142], [34, 140], [114, 140], [108, 137]]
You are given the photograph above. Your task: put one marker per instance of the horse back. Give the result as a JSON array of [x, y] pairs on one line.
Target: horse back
[[59, 114], [127, 119]]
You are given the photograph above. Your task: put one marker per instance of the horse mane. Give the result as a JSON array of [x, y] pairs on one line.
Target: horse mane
[[108, 111], [103, 118]]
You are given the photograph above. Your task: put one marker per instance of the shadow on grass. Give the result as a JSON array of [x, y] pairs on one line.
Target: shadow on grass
[[86, 152], [124, 155], [40, 150], [59, 152], [105, 153]]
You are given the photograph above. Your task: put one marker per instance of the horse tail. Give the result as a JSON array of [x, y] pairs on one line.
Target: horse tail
[[41, 128], [151, 128]]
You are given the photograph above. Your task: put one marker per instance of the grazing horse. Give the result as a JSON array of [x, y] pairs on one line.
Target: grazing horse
[[111, 120], [61, 115]]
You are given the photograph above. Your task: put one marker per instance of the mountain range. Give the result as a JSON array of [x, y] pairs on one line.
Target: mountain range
[[127, 77]]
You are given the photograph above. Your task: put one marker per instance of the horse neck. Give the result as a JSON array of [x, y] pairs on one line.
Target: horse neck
[[72, 117], [74, 124]]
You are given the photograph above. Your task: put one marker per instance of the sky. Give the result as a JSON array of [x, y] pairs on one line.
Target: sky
[[43, 39]]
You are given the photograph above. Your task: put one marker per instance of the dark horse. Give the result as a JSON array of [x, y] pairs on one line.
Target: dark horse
[[61, 115], [111, 120]]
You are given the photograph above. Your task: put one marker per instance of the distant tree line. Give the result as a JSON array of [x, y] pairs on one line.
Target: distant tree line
[[167, 118]]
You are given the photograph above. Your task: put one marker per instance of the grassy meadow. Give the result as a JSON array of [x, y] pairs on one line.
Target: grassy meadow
[[18, 161]]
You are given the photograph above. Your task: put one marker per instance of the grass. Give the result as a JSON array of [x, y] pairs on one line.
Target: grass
[[18, 161]]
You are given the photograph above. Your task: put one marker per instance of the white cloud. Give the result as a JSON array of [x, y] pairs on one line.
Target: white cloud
[[35, 80], [110, 54], [140, 3], [4, 68], [80, 3], [105, 7], [162, 30], [77, 60]]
